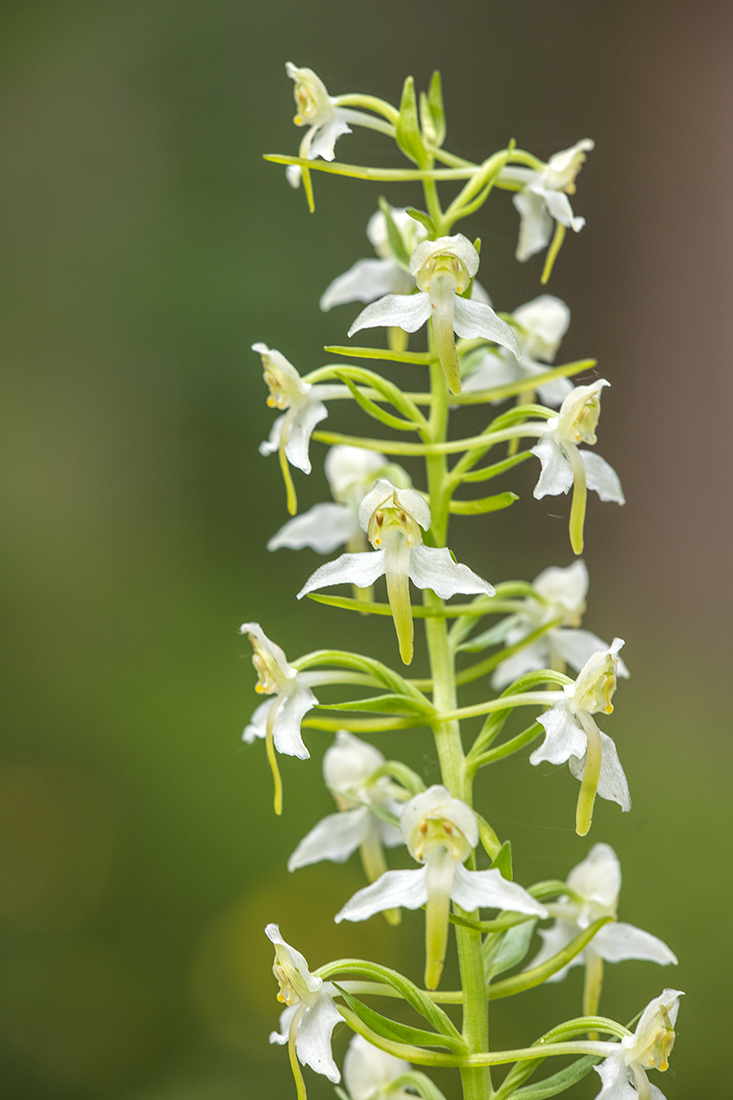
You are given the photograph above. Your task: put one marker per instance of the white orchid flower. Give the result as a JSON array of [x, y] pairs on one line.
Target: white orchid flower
[[442, 270], [572, 736], [564, 592], [544, 200], [441, 833], [540, 326], [564, 465], [351, 474], [311, 1014], [278, 719], [369, 1072], [318, 111], [348, 768], [623, 1072], [370, 279], [392, 519], [596, 884], [291, 432]]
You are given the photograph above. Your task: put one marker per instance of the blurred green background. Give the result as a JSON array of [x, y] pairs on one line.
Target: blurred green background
[[145, 247]]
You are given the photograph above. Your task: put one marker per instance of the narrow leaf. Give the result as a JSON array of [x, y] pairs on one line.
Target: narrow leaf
[[418, 1082], [509, 950], [373, 410], [395, 238], [503, 860], [395, 769], [399, 1033], [538, 974], [382, 704], [419, 357], [422, 217], [488, 472], [492, 636], [489, 839], [435, 100], [407, 129], [481, 507], [559, 1082]]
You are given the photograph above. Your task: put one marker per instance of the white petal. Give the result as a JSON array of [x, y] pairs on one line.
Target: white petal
[[558, 206], [434, 568], [480, 294], [545, 320], [368, 1071], [598, 877], [576, 646], [491, 369], [313, 1041], [557, 473], [407, 311], [294, 174], [554, 939], [272, 443], [324, 528], [365, 281], [568, 586], [286, 727], [554, 393], [359, 569], [615, 1077], [408, 889], [529, 659], [489, 889], [257, 726], [304, 421], [563, 738], [621, 941], [612, 784], [349, 763], [472, 319], [326, 137], [281, 1037], [334, 837], [602, 477], [535, 224]]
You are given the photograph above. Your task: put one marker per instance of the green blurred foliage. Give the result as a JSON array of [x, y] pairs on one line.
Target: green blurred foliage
[[146, 246]]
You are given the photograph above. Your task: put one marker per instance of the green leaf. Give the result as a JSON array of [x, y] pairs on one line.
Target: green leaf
[[373, 410], [418, 357], [551, 888], [399, 1033], [559, 1082], [421, 1084], [504, 951], [395, 769], [341, 1093], [480, 507], [383, 704], [538, 974], [347, 603], [437, 110], [503, 861], [422, 217], [408, 130], [492, 636], [487, 472], [396, 241], [489, 839]]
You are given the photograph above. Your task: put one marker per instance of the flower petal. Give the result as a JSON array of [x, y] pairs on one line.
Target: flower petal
[[602, 477], [359, 569], [368, 1071], [491, 368], [365, 281], [324, 528], [558, 206], [434, 568], [554, 393], [529, 659], [286, 727], [300, 429], [554, 939], [408, 889], [545, 321], [576, 646], [563, 737], [472, 319], [613, 784], [557, 473], [313, 1040], [334, 837], [598, 877], [621, 941], [407, 311], [535, 224], [257, 725], [270, 445], [615, 1077], [489, 889], [282, 1036]]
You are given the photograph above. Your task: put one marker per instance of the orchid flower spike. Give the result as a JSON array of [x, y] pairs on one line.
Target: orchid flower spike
[[352, 473], [623, 1072], [540, 326], [562, 595], [543, 202], [564, 465], [392, 519], [443, 270], [278, 719], [441, 833], [572, 736], [595, 885], [349, 768], [291, 433], [317, 110], [370, 1073], [306, 1024]]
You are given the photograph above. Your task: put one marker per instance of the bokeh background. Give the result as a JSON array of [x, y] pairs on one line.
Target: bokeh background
[[145, 246]]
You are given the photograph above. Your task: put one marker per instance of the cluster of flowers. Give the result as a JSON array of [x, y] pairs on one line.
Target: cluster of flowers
[[381, 519]]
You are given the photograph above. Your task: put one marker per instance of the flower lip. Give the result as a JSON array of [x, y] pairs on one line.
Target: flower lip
[[451, 257], [578, 417], [274, 672], [563, 167], [311, 97], [387, 510], [435, 819], [285, 384], [297, 984], [596, 682]]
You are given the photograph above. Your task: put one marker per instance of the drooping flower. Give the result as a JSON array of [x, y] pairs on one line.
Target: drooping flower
[[440, 832], [278, 719], [564, 592], [369, 1072], [291, 432], [595, 885], [564, 465], [572, 736], [311, 1014], [348, 768], [544, 200], [443, 270], [351, 474], [392, 519], [623, 1072], [540, 326], [318, 111]]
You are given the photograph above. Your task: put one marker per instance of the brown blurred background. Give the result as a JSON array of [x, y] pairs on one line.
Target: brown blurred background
[[145, 247]]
